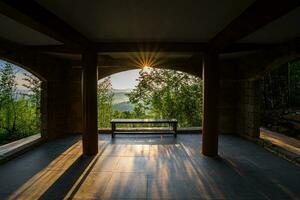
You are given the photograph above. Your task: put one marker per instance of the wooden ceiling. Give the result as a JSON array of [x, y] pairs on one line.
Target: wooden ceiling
[[67, 28]]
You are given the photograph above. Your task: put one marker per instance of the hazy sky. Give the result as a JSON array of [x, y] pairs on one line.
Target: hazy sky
[[125, 80], [19, 76]]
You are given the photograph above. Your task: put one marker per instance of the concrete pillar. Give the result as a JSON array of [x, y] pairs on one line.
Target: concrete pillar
[[90, 135], [210, 105]]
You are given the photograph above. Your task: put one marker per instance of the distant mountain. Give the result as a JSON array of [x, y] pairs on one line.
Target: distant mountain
[[120, 95], [128, 90], [123, 107], [121, 101]]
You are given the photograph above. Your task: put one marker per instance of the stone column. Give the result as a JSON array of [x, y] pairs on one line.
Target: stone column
[[248, 109], [210, 105], [90, 77], [75, 115], [53, 109], [228, 106]]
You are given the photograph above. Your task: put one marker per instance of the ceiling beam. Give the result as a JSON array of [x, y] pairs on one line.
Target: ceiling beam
[[31, 14], [104, 62], [171, 47], [8, 46], [55, 49], [152, 47], [259, 14], [130, 62], [44, 66], [129, 47], [107, 71]]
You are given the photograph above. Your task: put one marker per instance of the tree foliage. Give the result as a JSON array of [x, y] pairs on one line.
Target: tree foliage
[[294, 83], [7, 99], [19, 111], [280, 99], [33, 85], [162, 93], [104, 99], [159, 94], [281, 87]]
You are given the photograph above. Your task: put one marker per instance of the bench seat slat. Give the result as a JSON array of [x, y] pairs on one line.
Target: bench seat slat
[[172, 122], [143, 121]]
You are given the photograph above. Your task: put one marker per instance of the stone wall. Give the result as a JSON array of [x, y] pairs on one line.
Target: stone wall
[[248, 109], [75, 109], [227, 107], [239, 93], [239, 104], [61, 104], [239, 108], [54, 109], [60, 92]]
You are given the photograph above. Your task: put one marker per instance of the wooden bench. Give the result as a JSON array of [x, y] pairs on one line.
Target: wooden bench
[[171, 122], [293, 121]]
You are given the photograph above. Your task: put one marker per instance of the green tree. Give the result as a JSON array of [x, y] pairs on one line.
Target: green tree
[[294, 83], [19, 112], [163, 93], [105, 98], [7, 99], [33, 85]]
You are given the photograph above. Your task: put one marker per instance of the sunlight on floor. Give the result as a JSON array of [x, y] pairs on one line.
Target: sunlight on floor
[[155, 168], [41, 182]]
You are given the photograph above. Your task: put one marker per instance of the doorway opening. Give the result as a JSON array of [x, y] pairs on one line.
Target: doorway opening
[[150, 93], [20, 95], [280, 106]]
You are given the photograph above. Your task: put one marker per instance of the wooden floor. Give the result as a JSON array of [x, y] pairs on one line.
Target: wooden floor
[[149, 167]]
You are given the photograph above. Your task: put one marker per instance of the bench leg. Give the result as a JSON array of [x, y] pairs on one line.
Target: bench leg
[[175, 129], [113, 129]]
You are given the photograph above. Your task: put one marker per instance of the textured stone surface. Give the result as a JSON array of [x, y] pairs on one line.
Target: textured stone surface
[[61, 105], [149, 167], [248, 110]]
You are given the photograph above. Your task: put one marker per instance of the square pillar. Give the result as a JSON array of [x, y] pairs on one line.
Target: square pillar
[[210, 105], [89, 88]]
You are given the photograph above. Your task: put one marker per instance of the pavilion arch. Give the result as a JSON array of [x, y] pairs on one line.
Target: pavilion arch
[[27, 68], [54, 39], [241, 93], [104, 75], [42, 80], [42, 76], [58, 80], [255, 65], [103, 72], [281, 61]]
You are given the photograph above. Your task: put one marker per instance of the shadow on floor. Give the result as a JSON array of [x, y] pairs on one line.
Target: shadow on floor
[[70, 181], [150, 167], [18, 171], [144, 139]]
